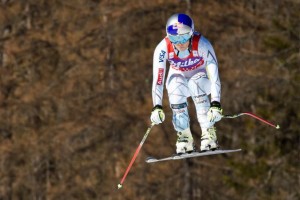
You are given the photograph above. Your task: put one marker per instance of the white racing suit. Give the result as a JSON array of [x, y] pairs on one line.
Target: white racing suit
[[192, 73]]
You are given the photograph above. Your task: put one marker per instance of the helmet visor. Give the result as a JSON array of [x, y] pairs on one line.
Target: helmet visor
[[179, 39]]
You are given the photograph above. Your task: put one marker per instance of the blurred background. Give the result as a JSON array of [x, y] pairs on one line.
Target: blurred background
[[75, 100]]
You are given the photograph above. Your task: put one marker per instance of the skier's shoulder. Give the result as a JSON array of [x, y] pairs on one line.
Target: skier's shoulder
[[161, 46], [204, 43], [203, 40]]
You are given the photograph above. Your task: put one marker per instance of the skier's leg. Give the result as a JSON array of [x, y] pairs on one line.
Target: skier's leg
[[199, 86], [178, 93]]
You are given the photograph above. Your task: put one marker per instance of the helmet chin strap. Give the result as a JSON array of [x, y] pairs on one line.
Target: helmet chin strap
[[176, 50], [190, 44]]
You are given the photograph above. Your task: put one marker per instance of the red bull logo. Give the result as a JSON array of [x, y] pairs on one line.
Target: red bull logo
[[177, 25]]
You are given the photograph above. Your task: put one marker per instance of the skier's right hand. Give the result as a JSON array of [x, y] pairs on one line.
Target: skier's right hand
[[157, 114]]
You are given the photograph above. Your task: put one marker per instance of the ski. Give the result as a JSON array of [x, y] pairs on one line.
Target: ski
[[191, 155]]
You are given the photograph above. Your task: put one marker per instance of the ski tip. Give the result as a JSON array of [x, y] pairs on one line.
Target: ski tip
[[277, 126], [119, 186]]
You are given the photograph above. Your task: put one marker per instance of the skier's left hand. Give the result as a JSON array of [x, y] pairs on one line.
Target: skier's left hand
[[214, 114]]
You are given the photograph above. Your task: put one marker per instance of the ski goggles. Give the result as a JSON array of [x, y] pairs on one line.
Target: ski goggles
[[179, 39]]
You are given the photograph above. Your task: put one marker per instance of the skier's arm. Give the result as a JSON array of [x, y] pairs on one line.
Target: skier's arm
[[159, 70], [213, 72], [215, 112]]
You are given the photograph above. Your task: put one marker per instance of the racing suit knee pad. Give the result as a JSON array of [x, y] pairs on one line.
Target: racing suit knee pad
[[181, 119]]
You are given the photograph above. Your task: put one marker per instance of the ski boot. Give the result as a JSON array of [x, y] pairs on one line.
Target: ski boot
[[185, 142], [209, 140]]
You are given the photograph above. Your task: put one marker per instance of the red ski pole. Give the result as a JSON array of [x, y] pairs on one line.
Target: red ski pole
[[254, 116], [135, 155]]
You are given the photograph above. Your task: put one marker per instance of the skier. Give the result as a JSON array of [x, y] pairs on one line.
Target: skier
[[193, 73]]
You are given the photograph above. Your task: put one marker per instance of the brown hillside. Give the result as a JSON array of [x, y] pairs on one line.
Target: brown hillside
[[75, 100]]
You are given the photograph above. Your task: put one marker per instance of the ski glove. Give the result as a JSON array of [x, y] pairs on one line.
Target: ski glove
[[214, 113], [157, 115]]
